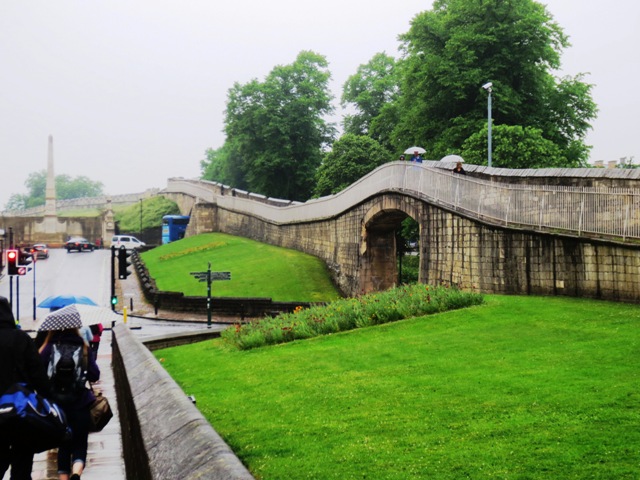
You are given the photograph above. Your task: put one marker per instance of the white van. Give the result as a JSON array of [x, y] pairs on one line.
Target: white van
[[129, 242]]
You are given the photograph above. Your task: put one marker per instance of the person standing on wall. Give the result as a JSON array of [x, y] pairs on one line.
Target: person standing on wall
[[416, 158]]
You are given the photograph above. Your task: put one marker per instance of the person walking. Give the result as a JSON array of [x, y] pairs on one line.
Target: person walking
[[19, 362], [75, 399]]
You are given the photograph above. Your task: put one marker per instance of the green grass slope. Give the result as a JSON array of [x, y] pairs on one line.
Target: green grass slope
[[518, 388], [257, 269]]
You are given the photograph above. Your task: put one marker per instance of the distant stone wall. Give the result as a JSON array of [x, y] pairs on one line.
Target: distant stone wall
[[85, 203], [52, 230]]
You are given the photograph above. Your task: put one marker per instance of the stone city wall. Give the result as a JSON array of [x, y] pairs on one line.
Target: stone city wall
[[453, 250]]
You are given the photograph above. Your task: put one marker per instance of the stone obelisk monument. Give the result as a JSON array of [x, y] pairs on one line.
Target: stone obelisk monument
[[50, 224]]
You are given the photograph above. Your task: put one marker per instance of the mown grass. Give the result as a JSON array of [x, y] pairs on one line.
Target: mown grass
[[517, 388], [257, 269]]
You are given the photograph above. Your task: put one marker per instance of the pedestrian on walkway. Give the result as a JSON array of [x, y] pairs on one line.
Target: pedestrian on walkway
[[72, 455], [19, 362]]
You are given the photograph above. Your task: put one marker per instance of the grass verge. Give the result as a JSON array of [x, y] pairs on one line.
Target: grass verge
[[257, 269], [520, 387]]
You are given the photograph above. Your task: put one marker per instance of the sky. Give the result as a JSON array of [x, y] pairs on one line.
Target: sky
[[134, 92]]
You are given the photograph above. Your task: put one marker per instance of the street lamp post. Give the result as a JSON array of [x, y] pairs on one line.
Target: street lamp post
[[488, 88]]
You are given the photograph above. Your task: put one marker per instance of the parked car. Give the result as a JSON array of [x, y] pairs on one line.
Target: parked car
[[40, 250], [129, 242], [80, 244]]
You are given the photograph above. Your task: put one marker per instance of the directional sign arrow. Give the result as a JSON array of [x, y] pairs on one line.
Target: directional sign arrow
[[220, 275]]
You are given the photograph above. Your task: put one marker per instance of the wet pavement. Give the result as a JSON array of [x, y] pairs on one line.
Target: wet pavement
[[104, 458]]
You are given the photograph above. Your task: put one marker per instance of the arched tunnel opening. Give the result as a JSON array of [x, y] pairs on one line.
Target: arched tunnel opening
[[390, 251]]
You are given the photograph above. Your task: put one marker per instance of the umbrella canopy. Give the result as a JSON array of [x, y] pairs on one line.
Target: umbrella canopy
[[77, 316], [59, 301], [452, 159], [420, 150], [67, 317]]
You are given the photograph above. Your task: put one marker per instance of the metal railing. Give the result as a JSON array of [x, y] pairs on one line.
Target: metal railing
[[582, 211]]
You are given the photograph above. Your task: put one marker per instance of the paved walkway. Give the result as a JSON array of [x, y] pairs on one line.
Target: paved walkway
[[104, 458]]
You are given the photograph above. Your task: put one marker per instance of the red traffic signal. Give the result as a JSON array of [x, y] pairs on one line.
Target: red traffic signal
[[12, 262]]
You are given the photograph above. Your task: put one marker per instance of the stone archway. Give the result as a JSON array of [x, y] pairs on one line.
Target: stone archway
[[378, 249]]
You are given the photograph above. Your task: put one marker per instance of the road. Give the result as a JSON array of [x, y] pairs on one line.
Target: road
[[85, 273]]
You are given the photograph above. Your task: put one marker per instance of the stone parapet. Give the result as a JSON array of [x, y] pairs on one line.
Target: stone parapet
[[164, 435]]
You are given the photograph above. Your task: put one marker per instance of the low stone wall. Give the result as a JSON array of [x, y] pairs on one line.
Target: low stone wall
[[164, 436]]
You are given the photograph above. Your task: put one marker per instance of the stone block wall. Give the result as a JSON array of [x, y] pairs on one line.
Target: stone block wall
[[454, 249]]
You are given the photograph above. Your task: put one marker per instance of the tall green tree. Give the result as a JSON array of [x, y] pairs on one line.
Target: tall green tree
[[351, 158], [450, 51], [66, 187], [374, 86], [513, 147], [276, 130]]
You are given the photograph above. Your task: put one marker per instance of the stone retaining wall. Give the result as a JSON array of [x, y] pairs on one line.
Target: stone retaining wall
[[164, 436]]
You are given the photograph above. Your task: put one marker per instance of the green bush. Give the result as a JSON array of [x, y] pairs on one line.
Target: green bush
[[347, 314]]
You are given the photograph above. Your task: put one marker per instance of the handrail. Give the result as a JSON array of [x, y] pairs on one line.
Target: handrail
[[582, 211]]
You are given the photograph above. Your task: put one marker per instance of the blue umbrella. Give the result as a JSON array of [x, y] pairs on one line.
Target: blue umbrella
[[60, 301]]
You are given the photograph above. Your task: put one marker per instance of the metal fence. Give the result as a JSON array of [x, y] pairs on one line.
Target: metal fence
[[582, 211]]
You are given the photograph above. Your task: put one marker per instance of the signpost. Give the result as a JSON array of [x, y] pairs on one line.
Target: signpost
[[209, 277]]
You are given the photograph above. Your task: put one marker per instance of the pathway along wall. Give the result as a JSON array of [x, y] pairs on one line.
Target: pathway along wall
[[359, 250]]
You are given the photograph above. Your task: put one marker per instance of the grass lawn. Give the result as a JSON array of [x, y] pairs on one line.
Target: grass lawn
[[518, 388], [257, 269]]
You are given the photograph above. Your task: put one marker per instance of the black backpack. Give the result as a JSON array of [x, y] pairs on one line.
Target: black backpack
[[68, 372]]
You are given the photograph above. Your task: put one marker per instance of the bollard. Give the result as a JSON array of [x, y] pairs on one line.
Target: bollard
[[124, 314], [131, 304]]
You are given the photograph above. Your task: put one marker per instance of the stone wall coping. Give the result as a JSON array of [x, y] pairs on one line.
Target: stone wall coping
[[177, 439]]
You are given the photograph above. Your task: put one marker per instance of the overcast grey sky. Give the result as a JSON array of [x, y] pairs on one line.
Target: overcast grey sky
[[134, 91]]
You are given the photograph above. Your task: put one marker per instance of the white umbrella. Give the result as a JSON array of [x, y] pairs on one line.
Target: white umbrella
[[420, 150], [452, 159]]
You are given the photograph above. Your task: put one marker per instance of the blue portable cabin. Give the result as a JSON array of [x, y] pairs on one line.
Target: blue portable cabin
[[174, 227]]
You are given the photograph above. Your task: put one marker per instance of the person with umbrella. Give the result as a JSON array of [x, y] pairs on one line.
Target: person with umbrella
[[70, 363], [416, 158], [19, 362]]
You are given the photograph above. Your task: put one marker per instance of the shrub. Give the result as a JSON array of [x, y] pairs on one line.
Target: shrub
[[347, 314]]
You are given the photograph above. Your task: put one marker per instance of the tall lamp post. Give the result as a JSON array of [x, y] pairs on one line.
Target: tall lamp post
[[488, 88]]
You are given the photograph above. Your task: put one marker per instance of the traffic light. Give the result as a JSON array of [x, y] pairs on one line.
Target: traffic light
[[123, 263], [12, 262], [114, 300]]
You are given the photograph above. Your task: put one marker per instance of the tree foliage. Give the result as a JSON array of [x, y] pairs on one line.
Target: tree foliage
[[66, 188], [352, 157], [513, 147], [458, 46], [369, 91], [276, 130]]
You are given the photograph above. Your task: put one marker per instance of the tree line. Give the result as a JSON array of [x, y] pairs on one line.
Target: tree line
[[279, 142]]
